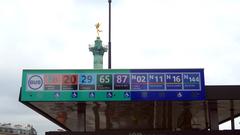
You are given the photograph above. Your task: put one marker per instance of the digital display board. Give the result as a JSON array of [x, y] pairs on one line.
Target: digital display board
[[156, 81], [113, 85], [87, 81], [52, 82], [104, 82], [69, 82], [121, 81]]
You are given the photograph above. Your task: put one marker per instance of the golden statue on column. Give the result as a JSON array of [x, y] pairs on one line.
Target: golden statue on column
[[97, 28]]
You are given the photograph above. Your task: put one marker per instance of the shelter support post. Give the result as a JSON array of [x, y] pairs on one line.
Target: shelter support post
[[213, 114], [232, 115]]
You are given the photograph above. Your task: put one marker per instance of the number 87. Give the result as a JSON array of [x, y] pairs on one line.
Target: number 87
[[121, 78]]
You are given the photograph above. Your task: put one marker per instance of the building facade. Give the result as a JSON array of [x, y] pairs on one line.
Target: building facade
[[9, 129]]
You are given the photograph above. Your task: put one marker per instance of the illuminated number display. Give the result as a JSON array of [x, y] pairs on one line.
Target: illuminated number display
[[52, 82], [191, 81], [113, 85], [156, 81], [104, 82], [87, 81], [69, 82], [121, 82], [139, 81], [174, 81]]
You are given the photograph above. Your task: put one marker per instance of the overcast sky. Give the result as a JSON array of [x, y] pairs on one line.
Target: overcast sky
[[55, 34]]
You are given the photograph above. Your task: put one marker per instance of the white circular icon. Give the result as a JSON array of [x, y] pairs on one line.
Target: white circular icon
[[35, 82]]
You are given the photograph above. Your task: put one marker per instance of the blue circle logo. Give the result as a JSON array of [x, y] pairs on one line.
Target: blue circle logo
[[35, 82]]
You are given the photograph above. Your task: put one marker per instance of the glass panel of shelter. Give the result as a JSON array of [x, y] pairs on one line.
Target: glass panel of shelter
[[161, 115], [164, 115]]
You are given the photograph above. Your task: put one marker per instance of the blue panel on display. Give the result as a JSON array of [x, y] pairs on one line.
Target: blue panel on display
[[167, 84], [139, 82]]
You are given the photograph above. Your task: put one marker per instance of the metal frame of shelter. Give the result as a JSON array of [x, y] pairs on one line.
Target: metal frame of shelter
[[213, 95], [229, 132]]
